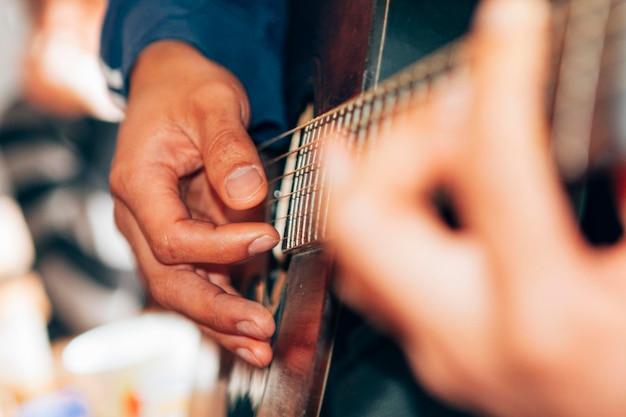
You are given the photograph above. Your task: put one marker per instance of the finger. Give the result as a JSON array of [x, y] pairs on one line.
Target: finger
[[181, 289], [422, 272], [256, 352], [231, 160], [173, 236], [510, 188], [209, 108]]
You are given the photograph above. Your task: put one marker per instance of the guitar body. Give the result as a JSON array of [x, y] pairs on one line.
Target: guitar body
[[336, 50]]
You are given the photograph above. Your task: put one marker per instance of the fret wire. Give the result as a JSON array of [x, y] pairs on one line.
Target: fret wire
[[348, 119], [323, 196], [307, 207], [356, 117], [322, 203], [340, 117], [417, 71], [366, 117], [318, 159], [305, 194], [376, 114], [301, 190], [365, 125], [311, 190], [310, 176], [315, 194], [305, 183], [295, 201], [353, 113], [315, 177], [285, 186]]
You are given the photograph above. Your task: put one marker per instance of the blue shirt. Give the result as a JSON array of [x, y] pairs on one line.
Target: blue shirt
[[245, 36]]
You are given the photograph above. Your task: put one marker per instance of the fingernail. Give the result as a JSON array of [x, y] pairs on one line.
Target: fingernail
[[247, 356], [262, 244], [250, 329], [242, 183]]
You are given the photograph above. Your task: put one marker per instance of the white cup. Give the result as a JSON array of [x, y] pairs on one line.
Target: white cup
[[137, 367]]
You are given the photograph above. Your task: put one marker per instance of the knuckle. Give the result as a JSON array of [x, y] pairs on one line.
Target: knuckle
[[117, 180], [121, 184], [226, 139], [119, 218], [166, 247]]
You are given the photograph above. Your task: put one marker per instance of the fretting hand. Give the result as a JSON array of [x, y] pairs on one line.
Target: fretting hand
[[512, 314]]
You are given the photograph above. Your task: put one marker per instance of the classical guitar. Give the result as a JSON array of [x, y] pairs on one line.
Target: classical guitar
[[357, 87]]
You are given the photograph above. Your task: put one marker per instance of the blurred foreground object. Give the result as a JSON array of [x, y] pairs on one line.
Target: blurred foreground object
[[61, 71], [57, 170], [14, 30], [140, 366], [26, 367], [17, 251]]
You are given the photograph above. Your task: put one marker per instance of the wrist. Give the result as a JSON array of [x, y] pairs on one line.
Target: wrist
[[176, 67], [161, 60]]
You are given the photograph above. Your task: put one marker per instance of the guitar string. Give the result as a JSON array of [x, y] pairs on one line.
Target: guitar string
[[416, 74], [358, 119], [361, 121], [409, 82], [413, 75], [361, 128]]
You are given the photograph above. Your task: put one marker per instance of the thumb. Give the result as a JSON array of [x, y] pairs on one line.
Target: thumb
[[231, 160]]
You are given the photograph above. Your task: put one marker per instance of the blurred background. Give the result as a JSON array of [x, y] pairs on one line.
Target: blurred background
[[64, 268]]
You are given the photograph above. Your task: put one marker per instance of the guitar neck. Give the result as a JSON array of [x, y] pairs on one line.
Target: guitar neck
[[585, 96]]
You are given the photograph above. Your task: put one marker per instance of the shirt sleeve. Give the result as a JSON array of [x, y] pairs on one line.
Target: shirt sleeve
[[246, 36]]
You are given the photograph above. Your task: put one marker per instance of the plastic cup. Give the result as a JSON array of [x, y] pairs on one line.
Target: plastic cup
[[138, 367]]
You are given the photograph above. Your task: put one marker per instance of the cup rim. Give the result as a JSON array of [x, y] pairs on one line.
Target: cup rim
[[131, 341]]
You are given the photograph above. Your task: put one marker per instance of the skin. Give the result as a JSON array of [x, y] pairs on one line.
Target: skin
[[186, 179], [513, 313]]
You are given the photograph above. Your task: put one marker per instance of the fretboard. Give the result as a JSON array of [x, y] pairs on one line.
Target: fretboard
[[587, 34]]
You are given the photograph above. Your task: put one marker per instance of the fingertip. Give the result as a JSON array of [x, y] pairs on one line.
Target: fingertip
[[263, 244], [259, 355]]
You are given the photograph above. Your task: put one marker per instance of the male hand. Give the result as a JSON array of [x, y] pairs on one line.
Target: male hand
[[512, 314], [186, 179]]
